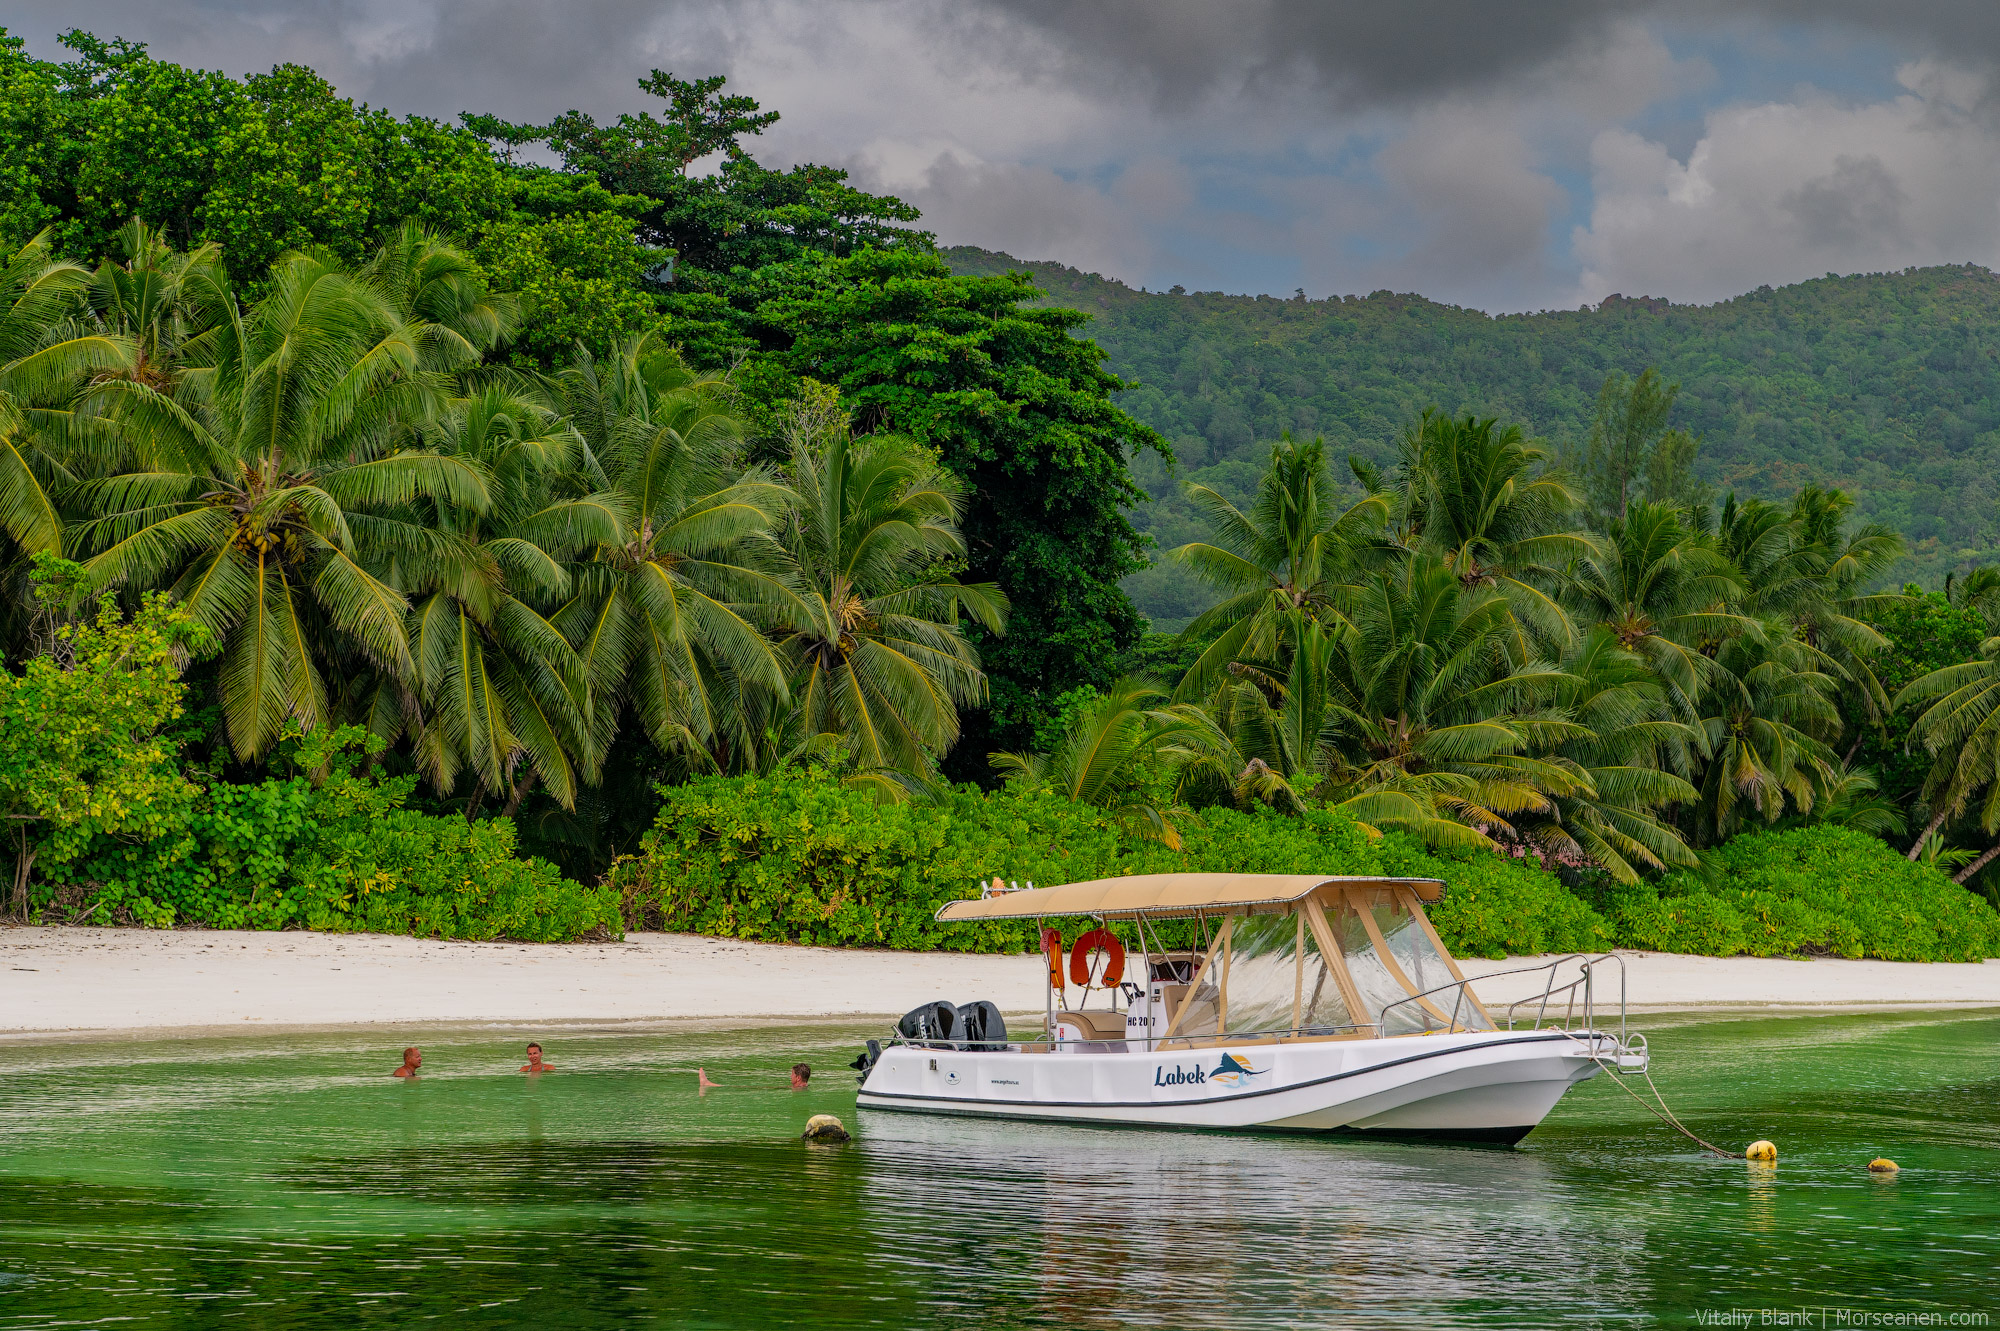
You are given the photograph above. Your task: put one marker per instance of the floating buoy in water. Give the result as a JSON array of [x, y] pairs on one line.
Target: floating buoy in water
[[824, 1128], [1761, 1150], [1881, 1166]]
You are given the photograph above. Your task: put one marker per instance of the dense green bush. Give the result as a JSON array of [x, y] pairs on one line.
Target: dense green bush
[[339, 854], [1824, 891], [1497, 906], [803, 859]]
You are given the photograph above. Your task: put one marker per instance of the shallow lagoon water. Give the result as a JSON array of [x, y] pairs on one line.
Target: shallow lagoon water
[[287, 1181]]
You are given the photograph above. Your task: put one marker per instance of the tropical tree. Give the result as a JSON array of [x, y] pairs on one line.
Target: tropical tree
[[246, 481], [1119, 754], [145, 291], [1432, 726], [676, 573], [1959, 727], [1665, 591], [1627, 745], [494, 683], [1805, 573], [1488, 503], [1299, 549], [1766, 719], [871, 630], [46, 354]]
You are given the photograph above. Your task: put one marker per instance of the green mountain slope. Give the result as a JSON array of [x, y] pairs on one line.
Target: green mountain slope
[[1887, 385]]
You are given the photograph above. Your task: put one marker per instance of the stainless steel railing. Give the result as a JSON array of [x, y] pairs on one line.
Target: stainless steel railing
[[1568, 994]]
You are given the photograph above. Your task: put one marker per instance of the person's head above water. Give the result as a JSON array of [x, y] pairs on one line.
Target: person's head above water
[[801, 1074], [413, 1058], [534, 1063]]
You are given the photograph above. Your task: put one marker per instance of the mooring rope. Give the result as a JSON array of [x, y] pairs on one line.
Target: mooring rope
[[1663, 1113]]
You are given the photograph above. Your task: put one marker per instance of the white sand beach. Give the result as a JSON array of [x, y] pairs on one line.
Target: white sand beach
[[104, 980]]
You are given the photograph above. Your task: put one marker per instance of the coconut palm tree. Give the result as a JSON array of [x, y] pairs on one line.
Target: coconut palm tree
[[249, 476], [677, 574], [1119, 755], [145, 292], [46, 354], [1431, 724], [1627, 745], [1767, 717], [1959, 726], [870, 634], [1299, 548], [1488, 502], [1805, 571], [1665, 591], [495, 685]]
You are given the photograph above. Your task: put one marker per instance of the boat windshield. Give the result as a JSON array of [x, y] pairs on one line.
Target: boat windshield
[[1269, 991], [1266, 974], [1391, 956]]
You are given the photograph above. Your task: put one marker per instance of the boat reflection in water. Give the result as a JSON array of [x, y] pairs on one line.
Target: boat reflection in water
[[1305, 1003], [1135, 1229]]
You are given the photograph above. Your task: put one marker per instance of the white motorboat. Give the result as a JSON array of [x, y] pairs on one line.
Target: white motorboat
[[1255, 1002]]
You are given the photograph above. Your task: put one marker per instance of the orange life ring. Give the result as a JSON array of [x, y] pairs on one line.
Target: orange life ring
[[1052, 948], [1114, 958]]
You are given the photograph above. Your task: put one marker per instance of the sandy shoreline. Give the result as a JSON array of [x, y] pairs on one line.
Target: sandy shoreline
[[106, 980]]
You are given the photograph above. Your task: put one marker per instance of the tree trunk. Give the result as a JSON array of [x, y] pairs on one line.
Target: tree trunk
[[23, 863], [1977, 864], [1917, 846], [472, 805], [1853, 749], [522, 789]]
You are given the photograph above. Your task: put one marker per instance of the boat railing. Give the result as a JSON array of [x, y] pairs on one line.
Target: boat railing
[[1580, 991]]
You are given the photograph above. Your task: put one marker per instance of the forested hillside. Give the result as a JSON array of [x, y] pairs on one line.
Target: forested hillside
[[1886, 385]]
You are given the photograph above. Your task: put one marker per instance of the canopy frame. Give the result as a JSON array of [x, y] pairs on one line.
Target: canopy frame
[[1170, 896]]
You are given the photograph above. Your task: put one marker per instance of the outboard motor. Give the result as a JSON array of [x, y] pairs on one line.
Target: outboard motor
[[869, 1057], [932, 1021], [981, 1023]]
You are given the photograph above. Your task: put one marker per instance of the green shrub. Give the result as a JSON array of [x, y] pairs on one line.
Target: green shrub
[[1810, 891], [341, 855], [1498, 906], [799, 858]]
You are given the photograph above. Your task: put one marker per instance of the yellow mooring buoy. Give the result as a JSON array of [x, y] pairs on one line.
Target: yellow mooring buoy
[[1761, 1150], [1881, 1166]]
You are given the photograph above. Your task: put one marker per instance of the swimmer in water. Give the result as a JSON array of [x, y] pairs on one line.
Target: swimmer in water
[[534, 1066], [413, 1058], [704, 1084], [801, 1074]]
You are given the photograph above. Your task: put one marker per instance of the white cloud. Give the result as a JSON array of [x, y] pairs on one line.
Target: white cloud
[[1784, 191]]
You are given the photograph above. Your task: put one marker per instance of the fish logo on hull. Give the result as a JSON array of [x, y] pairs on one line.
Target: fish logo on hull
[[1235, 1070]]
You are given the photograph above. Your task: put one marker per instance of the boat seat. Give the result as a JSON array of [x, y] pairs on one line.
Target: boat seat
[[1097, 1025]]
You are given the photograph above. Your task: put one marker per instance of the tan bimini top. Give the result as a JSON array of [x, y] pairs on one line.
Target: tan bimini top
[[1171, 895]]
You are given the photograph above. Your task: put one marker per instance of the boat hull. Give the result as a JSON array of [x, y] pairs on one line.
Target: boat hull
[[1488, 1087]]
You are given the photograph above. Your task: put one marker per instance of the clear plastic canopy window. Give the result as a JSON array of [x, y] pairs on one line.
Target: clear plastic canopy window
[[1255, 983]]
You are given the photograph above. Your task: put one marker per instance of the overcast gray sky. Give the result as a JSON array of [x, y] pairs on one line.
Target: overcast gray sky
[[1507, 156]]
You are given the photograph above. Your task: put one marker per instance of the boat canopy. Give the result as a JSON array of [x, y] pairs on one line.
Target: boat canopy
[[1165, 896]]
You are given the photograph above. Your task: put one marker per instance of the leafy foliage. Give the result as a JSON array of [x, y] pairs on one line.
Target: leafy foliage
[[340, 853], [801, 857], [80, 753], [1826, 891]]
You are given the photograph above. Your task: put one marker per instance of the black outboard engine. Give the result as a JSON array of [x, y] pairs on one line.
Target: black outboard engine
[[931, 1022], [869, 1057], [980, 1023]]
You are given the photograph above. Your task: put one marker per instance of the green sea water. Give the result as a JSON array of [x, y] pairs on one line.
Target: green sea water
[[287, 1181]]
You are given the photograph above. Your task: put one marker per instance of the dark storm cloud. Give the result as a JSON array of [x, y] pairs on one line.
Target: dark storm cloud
[[1388, 54], [523, 56]]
